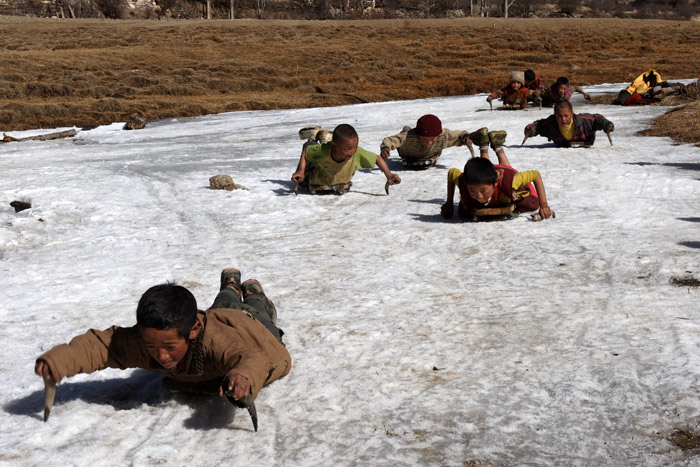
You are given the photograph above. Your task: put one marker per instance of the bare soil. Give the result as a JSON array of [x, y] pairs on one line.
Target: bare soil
[[685, 281], [91, 72], [685, 439]]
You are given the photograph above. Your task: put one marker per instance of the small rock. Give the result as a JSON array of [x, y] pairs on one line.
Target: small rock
[[135, 122], [20, 205], [224, 182]]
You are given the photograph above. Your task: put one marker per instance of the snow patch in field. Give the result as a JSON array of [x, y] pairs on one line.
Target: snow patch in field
[[415, 341]]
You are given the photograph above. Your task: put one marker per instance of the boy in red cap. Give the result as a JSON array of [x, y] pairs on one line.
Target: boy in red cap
[[420, 147]]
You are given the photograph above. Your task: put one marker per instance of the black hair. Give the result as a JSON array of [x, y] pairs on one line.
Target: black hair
[[480, 171], [167, 306], [529, 75], [562, 80], [344, 132], [563, 104], [650, 77]]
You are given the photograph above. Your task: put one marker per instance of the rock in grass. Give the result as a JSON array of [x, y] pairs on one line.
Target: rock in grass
[[135, 122]]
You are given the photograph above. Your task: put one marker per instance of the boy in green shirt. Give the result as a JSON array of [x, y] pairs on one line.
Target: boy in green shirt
[[329, 167]]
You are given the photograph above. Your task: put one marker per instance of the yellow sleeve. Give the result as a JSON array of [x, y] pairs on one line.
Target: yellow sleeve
[[523, 178], [453, 175]]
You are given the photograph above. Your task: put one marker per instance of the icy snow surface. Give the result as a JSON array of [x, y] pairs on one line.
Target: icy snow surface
[[415, 340]]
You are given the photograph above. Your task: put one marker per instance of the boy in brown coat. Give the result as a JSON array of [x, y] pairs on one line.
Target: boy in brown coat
[[234, 347]]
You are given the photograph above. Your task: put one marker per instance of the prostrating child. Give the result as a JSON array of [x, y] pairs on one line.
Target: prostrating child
[[420, 147], [332, 165], [484, 185], [515, 95], [648, 88], [567, 129], [234, 348], [533, 81], [561, 90]]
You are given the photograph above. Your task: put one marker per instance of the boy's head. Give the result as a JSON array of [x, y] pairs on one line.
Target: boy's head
[[428, 129], [166, 316], [480, 176], [344, 143], [561, 86], [563, 112], [529, 76], [650, 77], [517, 80]]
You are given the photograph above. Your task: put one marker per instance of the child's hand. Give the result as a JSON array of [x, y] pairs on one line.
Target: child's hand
[[610, 128], [298, 177], [529, 130], [447, 210], [587, 96], [545, 212], [394, 179], [237, 384], [43, 370], [384, 153]]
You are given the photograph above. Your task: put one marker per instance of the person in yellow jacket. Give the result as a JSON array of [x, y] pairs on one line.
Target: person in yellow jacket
[[647, 88]]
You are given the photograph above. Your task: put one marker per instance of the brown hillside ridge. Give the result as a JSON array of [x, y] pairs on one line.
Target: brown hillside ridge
[[90, 72]]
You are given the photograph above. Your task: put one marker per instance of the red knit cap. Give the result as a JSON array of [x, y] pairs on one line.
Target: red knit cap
[[429, 125]]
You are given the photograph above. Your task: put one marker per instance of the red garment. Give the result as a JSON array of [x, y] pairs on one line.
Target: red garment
[[637, 99], [536, 84], [513, 97], [502, 194]]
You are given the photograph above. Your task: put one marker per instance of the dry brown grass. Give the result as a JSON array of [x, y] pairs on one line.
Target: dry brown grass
[[681, 123], [89, 72]]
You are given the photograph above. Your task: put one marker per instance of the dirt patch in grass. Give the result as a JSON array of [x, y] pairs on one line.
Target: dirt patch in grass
[[685, 281], [685, 439], [90, 72]]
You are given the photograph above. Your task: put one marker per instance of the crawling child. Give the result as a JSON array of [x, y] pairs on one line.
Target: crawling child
[[234, 348], [484, 185], [515, 95], [329, 167]]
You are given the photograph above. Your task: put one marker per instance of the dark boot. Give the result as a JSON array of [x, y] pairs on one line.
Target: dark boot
[[480, 137], [231, 278], [497, 138], [252, 287]]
